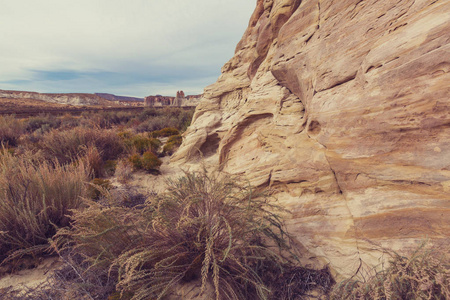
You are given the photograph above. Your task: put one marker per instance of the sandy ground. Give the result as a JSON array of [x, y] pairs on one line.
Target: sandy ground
[[30, 278]]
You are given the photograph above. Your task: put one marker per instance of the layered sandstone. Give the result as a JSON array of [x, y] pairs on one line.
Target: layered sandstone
[[342, 108]]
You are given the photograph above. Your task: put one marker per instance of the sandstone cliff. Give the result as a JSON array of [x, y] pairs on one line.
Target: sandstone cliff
[[341, 107]]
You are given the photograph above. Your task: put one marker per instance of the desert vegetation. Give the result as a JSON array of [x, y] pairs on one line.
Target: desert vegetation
[[423, 274], [215, 231], [49, 164]]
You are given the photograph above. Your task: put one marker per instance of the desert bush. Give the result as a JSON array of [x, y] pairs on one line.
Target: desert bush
[[34, 198], [205, 228], [148, 113], [68, 121], [157, 119], [100, 234], [66, 146], [148, 161], [136, 161], [424, 274], [93, 160], [42, 122], [172, 144], [156, 123], [10, 130], [140, 144], [165, 132]]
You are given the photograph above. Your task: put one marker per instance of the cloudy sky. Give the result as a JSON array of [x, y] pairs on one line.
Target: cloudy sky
[[124, 47]]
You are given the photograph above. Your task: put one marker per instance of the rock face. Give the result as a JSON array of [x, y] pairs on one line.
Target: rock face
[[343, 109]]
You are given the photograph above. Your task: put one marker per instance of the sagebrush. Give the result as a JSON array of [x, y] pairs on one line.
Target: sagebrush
[[36, 198]]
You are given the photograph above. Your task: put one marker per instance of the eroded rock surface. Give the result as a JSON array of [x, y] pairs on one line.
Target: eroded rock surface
[[341, 107]]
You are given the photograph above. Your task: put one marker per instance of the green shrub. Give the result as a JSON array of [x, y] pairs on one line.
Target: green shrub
[[34, 198], [425, 274], [136, 161], [143, 144], [150, 161], [165, 132], [172, 144]]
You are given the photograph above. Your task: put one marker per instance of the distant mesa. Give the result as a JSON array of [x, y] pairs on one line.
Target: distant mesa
[[77, 99], [180, 100], [105, 99], [112, 97]]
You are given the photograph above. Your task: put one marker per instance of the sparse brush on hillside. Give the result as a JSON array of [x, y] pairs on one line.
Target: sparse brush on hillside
[[34, 198], [140, 144], [10, 130], [424, 274], [156, 119], [43, 123], [66, 146]]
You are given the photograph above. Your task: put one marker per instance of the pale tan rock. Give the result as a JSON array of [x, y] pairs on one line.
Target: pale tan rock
[[343, 109]]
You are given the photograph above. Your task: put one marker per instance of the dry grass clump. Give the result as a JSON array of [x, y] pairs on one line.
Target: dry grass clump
[[100, 234], [34, 199], [10, 130], [66, 146], [205, 228], [425, 274], [123, 171], [208, 229]]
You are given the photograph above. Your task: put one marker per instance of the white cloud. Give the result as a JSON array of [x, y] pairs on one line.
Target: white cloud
[[119, 36]]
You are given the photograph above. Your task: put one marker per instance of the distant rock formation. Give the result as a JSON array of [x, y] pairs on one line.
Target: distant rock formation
[[179, 100], [342, 108], [112, 97], [70, 98]]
